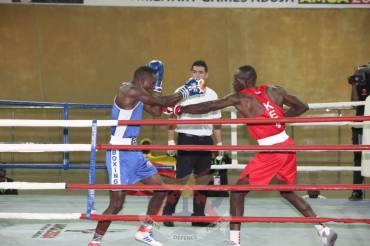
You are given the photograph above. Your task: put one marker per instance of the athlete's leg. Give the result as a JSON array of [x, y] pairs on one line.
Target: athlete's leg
[[184, 168], [145, 231], [173, 197], [237, 209], [237, 203], [157, 199], [116, 200], [299, 203]]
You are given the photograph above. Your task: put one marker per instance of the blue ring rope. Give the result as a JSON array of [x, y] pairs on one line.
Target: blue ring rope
[[55, 104], [49, 166], [61, 166]]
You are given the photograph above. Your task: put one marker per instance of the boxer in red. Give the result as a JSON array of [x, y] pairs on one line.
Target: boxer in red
[[263, 102]]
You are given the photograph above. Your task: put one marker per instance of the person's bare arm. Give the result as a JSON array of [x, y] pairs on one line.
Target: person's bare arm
[[202, 108], [155, 110], [154, 100], [171, 139], [128, 95], [217, 133], [171, 132], [296, 106]]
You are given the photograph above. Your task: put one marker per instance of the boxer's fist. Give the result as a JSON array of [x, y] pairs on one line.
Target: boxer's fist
[[193, 87], [167, 110], [158, 68], [177, 110]]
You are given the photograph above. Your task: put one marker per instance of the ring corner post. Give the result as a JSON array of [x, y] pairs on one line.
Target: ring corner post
[[65, 137], [92, 170]]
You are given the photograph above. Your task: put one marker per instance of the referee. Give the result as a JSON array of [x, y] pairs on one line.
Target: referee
[[194, 162]]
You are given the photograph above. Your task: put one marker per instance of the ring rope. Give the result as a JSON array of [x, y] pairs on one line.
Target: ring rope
[[299, 168], [158, 218], [281, 148], [230, 166], [246, 120], [63, 186], [214, 218], [211, 219], [165, 167], [110, 123], [87, 147], [71, 166], [88, 123], [312, 106]]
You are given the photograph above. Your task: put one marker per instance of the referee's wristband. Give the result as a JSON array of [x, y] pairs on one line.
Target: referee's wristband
[[171, 142]]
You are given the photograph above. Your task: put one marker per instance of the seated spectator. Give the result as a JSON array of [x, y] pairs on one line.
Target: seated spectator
[[4, 178]]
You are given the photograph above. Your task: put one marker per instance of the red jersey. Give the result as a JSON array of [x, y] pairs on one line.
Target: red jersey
[[272, 110]]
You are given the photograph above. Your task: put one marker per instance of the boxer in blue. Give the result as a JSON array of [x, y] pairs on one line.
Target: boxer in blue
[[128, 166]]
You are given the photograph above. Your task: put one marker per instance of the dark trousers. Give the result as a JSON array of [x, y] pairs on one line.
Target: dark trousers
[[357, 139], [197, 162]]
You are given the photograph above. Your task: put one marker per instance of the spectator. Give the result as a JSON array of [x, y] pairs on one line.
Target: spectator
[[4, 178]]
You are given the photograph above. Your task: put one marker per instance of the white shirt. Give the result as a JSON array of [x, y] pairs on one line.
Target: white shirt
[[198, 130]]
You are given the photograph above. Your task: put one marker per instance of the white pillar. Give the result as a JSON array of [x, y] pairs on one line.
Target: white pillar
[[365, 161], [234, 137]]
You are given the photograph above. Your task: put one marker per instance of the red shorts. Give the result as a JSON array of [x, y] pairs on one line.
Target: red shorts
[[266, 165]]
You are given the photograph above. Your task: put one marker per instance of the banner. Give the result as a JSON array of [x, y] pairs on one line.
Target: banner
[[210, 3]]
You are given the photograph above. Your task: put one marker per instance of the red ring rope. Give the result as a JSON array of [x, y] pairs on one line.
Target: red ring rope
[[246, 120], [221, 187], [211, 219], [290, 148]]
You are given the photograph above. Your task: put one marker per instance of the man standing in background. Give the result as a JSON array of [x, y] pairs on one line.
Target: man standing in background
[[196, 162], [360, 83], [4, 178]]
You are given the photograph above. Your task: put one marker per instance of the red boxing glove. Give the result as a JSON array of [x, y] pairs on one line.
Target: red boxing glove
[[167, 110], [177, 110]]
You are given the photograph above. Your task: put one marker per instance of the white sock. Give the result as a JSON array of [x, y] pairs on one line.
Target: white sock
[[235, 236], [97, 237], [147, 224], [320, 228]]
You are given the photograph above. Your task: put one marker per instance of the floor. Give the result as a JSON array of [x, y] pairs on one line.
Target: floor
[[67, 232]]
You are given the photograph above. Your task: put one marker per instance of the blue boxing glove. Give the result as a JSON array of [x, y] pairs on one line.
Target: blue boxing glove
[[158, 68], [193, 87]]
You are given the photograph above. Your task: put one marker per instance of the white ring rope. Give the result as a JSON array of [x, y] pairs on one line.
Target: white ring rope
[[343, 123], [56, 123], [109, 123], [41, 216], [35, 147], [32, 147], [15, 148], [299, 168], [336, 105], [324, 106], [32, 186]]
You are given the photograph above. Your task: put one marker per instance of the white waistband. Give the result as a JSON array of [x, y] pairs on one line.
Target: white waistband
[[274, 139], [123, 141]]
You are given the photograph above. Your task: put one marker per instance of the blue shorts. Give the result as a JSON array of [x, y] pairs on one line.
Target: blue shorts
[[128, 167]]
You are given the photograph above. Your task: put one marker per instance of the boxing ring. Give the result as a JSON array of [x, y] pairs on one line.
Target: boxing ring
[[70, 219]]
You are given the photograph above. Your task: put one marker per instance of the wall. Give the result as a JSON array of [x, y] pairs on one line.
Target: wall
[[82, 54], [59, 53]]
